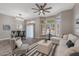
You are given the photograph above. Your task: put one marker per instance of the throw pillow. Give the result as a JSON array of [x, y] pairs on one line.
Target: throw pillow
[[73, 38], [18, 42], [70, 44]]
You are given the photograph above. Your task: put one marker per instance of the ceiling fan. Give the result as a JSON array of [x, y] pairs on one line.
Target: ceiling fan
[[41, 9]]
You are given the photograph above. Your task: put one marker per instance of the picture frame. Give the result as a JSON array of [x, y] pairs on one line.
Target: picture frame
[[77, 21], [6, 27]]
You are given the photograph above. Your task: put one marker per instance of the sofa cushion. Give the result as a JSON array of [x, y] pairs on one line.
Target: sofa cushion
[[60, 50], [77, 43], [65, 36], [75, 54], [71, 50], [63, 43], [70, 44], [73, 38]]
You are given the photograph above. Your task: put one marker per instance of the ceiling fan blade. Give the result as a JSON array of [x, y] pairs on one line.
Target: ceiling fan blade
[[48, 8], [47, 11], [44, 5], [43, 13], [39, 13], [37, 6], [35, 9]]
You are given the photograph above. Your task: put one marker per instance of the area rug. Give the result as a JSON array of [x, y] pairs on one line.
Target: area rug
[[32, 51]]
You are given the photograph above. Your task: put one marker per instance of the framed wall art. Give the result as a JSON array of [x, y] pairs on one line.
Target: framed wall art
[[6, 27]]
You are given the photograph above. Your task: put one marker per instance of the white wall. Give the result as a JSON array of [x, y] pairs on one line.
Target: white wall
[[67, 21], [7, 20], [76, 16]]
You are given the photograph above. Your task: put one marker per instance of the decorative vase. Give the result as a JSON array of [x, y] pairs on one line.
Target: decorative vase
[[45, 40]]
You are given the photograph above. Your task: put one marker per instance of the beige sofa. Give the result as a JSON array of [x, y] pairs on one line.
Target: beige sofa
[[63, 50]]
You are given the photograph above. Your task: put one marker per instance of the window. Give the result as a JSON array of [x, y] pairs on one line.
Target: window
[[29, 31]]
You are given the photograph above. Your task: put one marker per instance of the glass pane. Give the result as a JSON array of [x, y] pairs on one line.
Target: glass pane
[[29, 31]]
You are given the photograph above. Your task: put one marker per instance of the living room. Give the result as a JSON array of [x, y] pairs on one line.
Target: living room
[[23, 26]]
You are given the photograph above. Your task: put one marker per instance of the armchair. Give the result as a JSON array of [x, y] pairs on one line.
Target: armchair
[[18, 48]]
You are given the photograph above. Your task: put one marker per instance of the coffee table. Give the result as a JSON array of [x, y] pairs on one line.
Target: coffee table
[[44, 47]]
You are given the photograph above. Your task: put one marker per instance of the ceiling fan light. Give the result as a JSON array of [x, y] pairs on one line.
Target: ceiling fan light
[[41, 11]]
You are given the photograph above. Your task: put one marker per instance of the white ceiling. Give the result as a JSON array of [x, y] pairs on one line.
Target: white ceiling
[[13, 9]]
